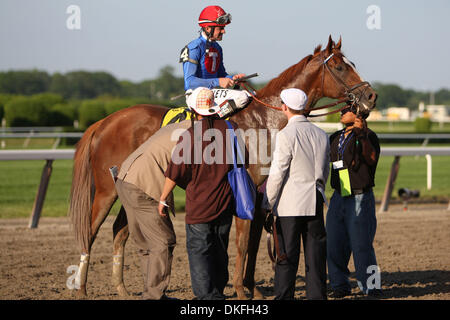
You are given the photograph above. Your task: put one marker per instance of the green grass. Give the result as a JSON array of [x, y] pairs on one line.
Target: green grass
[[19, 183], [20, 179], [33, 143], [405, 127]]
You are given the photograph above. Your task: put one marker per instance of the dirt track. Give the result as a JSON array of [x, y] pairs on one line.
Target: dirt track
[[412, 251]]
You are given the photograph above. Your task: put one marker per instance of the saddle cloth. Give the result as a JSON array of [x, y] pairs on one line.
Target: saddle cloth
[[176, 115]]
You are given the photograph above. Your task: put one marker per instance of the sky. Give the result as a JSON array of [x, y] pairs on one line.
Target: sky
[[405, 42]]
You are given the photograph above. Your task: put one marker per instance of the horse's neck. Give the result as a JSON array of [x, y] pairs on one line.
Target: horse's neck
[[276, 119]]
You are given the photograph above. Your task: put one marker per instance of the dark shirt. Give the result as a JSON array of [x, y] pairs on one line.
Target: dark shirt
[[208, 192], [362, 175]]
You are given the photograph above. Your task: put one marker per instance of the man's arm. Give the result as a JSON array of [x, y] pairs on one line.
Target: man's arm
[[169, 185], [191, 81], [281, 161], [369, 151]]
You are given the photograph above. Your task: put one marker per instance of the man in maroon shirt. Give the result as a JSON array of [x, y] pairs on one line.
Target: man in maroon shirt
[[209, 198]]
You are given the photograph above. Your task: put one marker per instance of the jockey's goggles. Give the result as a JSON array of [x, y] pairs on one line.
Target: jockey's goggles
[[225, 19]]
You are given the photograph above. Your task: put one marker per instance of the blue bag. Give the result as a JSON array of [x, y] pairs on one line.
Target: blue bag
[[244, 189]]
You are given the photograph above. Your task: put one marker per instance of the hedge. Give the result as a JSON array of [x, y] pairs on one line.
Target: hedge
[[30, 111], [90, 112], [422, 125], [62, 115], [4, 99]]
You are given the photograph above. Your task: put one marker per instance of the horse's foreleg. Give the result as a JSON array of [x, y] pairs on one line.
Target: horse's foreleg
[[120, 236], [242, 236], [253, 246]]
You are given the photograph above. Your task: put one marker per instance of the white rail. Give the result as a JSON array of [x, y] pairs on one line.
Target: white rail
[[38, 154]]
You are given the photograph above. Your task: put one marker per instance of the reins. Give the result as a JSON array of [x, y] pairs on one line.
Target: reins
[[251, 89]]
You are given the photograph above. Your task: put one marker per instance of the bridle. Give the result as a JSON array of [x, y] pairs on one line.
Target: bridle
[[351, 99]]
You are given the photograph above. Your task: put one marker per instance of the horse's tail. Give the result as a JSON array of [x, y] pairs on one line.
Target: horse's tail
[[83, 190]]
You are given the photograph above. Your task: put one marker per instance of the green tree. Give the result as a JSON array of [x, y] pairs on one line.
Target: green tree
[[85, 85], [24, 82], [59, 84], [166, 84], [442, 96], [391, 95]]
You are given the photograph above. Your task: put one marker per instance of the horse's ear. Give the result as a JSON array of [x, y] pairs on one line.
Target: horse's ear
[[329, 45], [339, 44]]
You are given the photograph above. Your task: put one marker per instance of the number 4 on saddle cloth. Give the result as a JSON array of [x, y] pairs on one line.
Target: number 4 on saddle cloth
[[229, 100]]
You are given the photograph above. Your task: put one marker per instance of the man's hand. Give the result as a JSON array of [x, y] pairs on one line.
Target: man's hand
[[162, 209], [226, 83], [238, 76], [268, 222], [360, 127]]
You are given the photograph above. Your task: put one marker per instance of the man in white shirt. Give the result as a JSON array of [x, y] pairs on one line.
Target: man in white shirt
[[296, 191]]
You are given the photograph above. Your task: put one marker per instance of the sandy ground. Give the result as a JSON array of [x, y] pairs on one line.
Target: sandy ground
[[412, 250]]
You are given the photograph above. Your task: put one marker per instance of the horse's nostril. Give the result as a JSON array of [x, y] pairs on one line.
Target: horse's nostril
[[372, 97]]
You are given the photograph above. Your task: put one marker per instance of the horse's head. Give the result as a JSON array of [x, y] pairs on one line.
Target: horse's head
[[339, 78]]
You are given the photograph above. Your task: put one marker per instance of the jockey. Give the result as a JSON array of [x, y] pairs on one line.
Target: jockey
[[202, 61]]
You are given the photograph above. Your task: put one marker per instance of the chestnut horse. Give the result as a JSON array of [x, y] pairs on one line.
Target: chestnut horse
[[108, 142]]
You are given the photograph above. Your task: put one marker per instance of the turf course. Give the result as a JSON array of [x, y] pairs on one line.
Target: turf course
[[19, 181]]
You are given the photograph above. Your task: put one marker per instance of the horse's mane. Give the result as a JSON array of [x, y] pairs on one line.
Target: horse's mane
[[277, 83]]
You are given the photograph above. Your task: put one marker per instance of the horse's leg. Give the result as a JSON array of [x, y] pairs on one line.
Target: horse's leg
[[242, 236], [103, 202], [253, 246], [120, 236]]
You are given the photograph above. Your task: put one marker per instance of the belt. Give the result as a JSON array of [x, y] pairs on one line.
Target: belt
[[361, 191]]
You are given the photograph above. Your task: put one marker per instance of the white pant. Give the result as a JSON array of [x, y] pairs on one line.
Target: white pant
[[240, 97]]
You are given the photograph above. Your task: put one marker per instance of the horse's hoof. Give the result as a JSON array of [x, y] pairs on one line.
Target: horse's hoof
[[257, 295], [122, 291], [81, 293], [241, 295]]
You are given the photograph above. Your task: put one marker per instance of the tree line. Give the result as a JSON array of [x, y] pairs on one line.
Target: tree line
[[36, 98], [87, 85]]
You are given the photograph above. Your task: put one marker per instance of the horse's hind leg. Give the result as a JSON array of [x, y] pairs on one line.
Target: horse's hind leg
[[242, 236], [253, 246], [120, 236], [103, 202]]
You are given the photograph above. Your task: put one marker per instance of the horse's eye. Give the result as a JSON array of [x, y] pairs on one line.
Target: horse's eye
[[339, 68]]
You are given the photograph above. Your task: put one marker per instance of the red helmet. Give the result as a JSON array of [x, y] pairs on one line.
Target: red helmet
[[214, 16]]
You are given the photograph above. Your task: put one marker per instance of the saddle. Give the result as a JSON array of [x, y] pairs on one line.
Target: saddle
[[230, 101]]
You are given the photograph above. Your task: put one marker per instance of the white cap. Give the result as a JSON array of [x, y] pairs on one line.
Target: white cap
[[294, 98], [201, 100]]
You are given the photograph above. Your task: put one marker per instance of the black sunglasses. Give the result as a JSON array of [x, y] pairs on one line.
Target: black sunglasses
[[351, 109]]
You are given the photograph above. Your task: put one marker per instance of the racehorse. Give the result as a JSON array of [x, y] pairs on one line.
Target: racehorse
[[108, 142]]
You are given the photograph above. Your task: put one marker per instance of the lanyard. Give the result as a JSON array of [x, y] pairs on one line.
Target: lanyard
[[343, 141]]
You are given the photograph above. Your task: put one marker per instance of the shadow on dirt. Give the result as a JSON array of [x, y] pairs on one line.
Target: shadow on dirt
[[415, 283], [395, 285]]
